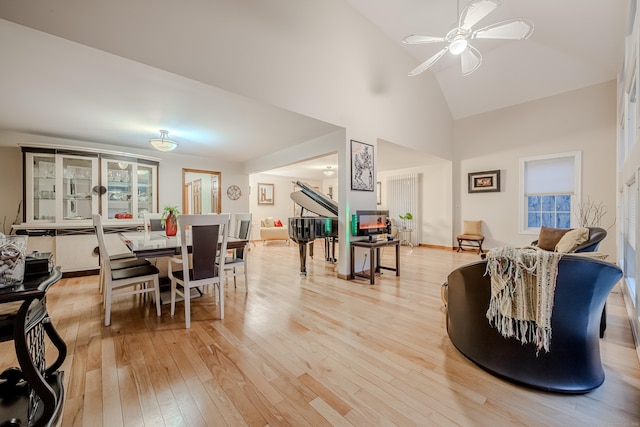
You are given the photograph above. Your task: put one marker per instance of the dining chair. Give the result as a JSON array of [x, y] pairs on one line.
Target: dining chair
[[242, 230], [118, 261], [128, 275], [207, 237], [152, 221]]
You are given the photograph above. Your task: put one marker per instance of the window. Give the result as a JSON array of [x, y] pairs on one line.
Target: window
[[631, 118], [629, 260], [549, 186]]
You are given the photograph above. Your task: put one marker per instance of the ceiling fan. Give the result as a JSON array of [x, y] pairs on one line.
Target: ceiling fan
[[458, 38]]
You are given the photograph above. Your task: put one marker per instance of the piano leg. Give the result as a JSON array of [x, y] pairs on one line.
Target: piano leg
[[330, 249], [303, 258]]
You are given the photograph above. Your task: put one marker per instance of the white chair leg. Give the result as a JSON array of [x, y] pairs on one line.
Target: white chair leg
[[173, 297], [101, 279], [156, 287], [221, 300], [187, 307], [107, 304]]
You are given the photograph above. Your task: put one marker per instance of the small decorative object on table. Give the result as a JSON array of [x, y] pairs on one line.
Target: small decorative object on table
[[169, 219], [13, 250]]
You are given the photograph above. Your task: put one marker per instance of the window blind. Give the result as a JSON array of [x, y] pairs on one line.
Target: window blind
[[550, 176]]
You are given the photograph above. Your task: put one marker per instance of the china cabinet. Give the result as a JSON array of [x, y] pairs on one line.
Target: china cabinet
[[63, 188]]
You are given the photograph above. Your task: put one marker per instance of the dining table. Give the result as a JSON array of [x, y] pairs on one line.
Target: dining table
[[156, 244]]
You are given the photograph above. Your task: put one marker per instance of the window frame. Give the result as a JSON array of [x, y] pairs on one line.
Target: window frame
[[577, 187]]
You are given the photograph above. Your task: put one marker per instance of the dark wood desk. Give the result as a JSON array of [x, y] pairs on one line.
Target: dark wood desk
[[374, 258], [25, 321]]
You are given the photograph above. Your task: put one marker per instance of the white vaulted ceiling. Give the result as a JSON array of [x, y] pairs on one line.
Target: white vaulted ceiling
[[61, 78]]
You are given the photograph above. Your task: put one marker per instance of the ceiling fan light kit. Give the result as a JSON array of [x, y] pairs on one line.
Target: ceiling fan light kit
[[458, 38], [163, 143]]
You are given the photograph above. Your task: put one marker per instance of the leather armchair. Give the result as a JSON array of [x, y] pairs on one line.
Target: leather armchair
[[573, 364]]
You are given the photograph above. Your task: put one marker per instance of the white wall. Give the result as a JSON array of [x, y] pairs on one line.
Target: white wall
[[11, 187], [583, 120], [435, 201], [282, 207]]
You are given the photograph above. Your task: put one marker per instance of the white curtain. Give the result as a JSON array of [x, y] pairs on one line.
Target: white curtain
[[402, 197]]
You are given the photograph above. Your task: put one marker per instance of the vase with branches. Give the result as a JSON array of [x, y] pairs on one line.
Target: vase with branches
[[590, 213]]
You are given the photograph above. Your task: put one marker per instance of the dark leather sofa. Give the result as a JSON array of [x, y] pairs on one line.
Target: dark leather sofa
[[573, 363]]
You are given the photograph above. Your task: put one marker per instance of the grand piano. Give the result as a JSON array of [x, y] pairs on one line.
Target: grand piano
[[305, 229]]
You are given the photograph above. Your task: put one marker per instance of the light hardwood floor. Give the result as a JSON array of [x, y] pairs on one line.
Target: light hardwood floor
[[310, 351]]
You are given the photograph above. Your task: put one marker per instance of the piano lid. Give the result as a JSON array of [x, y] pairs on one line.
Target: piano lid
[[313, 201]]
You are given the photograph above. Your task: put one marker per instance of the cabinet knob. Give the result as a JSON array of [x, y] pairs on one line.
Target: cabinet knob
[[99, 189]]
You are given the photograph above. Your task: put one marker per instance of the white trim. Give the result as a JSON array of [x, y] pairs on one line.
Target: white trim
[[86, 150]]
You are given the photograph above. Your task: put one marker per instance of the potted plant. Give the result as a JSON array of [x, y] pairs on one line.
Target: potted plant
[[406, 217], [169, 219]]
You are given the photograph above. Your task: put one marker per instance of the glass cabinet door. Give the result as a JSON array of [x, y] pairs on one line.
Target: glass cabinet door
[[131, 189], [40, 187], [59, 187], [79, 177], [146, 185], [118, 178]]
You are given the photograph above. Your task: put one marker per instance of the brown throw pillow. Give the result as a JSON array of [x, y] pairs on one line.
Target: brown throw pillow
[[549, 237]]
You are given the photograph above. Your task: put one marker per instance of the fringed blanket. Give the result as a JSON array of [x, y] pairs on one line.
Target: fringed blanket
[[523, 283]]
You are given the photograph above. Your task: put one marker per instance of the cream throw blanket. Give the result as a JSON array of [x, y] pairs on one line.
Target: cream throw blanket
[[523, 283]]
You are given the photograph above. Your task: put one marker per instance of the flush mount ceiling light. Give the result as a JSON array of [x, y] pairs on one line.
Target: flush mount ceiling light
[[329, 171], [458, 38], [163, 143]]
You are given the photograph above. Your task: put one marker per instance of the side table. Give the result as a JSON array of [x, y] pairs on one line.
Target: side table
[[32, 394], [405, 236], [374, 256]]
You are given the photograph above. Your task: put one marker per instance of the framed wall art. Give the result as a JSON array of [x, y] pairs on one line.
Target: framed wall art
[[265, 194], [484, 182], [362, 166]]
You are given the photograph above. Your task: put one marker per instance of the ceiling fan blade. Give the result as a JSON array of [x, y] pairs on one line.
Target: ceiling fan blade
[[470, 60], [428, 63], [511, 29], [422, 39], [475, 11]]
